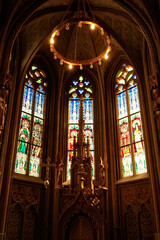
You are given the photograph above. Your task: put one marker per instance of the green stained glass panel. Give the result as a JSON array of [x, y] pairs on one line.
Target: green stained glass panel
[[34, 164], [140, 159], [21, 157], [127, 168], [24, 129]]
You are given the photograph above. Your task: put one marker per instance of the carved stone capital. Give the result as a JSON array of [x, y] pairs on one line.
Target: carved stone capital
[[5, 81], [154, 80], [5, 86]]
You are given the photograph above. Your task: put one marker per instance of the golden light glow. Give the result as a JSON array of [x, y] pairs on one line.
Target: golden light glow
[[70, 66], [92, 26], [106, 56], [52, 40]]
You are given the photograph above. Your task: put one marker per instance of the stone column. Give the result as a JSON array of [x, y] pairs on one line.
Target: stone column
[[5, 87], [154, 82]]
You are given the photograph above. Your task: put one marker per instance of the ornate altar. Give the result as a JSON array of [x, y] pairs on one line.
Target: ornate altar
[[80, 205]]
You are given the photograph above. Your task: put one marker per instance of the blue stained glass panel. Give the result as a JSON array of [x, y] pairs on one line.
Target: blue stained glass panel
[[27, 99], [73, 111], [133, 100], [39, 105], [88, 110], [122, 106]]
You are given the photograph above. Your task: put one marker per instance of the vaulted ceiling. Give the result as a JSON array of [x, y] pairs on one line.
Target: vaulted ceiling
[[33, 22]]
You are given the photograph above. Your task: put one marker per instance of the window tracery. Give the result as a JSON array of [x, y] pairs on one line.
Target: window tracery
[[31, 128], [131, 139]]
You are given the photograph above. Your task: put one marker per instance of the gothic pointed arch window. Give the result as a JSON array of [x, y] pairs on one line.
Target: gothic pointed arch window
[[31, 127], [130, 127], [81, 85]]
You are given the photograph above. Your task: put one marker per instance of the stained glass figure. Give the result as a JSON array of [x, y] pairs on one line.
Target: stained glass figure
[[34, 165], [88, 131], [127, 167], [73, 132], [124, 132], [21, 158], [130, 124], [140, 159], [136, 127], [30, 135]]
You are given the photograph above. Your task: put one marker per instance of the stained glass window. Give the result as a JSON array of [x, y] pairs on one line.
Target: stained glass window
[[131, 141], [81, 85], [29, 147]]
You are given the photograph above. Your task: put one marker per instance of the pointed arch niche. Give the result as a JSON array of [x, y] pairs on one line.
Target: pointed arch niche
[[80, 84], [31, 126], [131, 145]]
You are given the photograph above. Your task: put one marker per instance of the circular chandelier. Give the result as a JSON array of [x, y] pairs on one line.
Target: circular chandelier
[[87, 41]]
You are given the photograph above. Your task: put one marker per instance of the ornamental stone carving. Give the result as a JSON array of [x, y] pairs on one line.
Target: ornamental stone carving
[[154, 82], [5, 85]]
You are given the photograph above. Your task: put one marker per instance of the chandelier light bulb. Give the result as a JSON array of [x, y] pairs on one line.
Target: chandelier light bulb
[[102, 31], [67, 26], [61, 62], [92, 26], [91, 65], [51, 48], [57, 33], [55, 56], [81, 67], [70, 66], [80, 24], [99, 62], [52, 40], [106, 56]]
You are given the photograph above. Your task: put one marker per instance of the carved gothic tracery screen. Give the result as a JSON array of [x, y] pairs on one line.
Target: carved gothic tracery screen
[[81, 85], [29, 147], [131, 139]]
